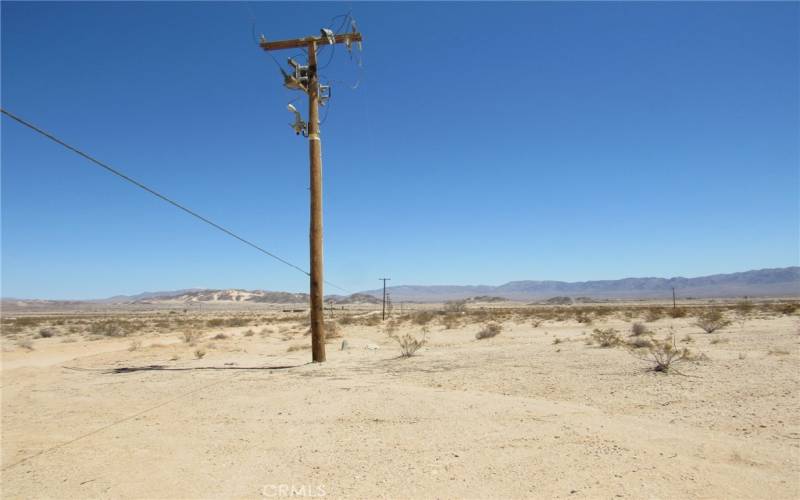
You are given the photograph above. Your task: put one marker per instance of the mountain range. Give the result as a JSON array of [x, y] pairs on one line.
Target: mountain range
[[775, 282]]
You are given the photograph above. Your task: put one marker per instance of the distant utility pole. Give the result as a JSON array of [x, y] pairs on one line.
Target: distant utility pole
[[673, 298], [384, 294], [305, 78]]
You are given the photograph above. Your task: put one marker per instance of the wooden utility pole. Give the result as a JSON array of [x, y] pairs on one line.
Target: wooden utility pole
[[312, 88], [674, 306], [384, 295]]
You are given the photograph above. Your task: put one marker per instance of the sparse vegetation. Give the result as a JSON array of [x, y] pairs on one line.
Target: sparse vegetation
[[455, 306], [665, 353], [676, 312], [711, 320], [638, 329], [47, 333], [654, 314], [489, 330], [409, 344], [199, 353], [190, 336], [608, 337]]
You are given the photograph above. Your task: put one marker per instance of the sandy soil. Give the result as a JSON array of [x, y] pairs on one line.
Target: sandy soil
[[513, 416]]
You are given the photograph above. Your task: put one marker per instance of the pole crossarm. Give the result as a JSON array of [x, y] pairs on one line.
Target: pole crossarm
[[297, 43]]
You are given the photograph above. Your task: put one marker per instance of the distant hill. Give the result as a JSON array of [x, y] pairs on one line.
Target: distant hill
[[757, 283]]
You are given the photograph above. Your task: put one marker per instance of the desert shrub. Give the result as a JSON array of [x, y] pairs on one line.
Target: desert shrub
[[744, 307], [489, 330], [455, 306], [25, 344], [608, 337], [638, 329], [556, 341], [664, 353], [423, 317], [653, 314], [113, 328], [450, 321], [249, 333], [47, 333], [676, 312], [236, 322], [583, 317], [199, 353], [28, 321], [298, 347], [778, 352], [536, 322], [220, 336], [190, 336], [215, 323], [332, 330], [785, 308], [409, 344], [711, 320], [347, 319]]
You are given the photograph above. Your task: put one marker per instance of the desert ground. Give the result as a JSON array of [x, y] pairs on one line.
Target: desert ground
[[563, 401]]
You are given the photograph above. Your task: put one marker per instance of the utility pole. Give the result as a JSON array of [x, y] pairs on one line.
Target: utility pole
[[384, 295], [673, 298], [305, 78]]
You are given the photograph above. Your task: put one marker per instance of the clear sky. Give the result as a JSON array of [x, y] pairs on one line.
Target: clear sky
[[486, 142]]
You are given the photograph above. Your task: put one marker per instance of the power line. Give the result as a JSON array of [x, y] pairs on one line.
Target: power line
[[157, 194]]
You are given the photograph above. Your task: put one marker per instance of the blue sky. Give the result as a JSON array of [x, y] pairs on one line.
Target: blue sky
[[484, 143]]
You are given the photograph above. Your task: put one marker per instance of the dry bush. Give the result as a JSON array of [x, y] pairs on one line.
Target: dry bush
[[711, 320], [664, 353], [785, 308], [744, 307], [536, 322], [719, 341], [190, 336], [608, 337], [455, 306], [199, 353], [298, 347], [25, 344], [422, 317], [249, 333], [556, 341], [410, 344], [676, 312], [638, 329], [346, 320], [332, 330], [489, 330], [653, 314], [687, 338], [778, 352], [220, 336], [451, 321], [47, 333], [583, 317], [114, 327]]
